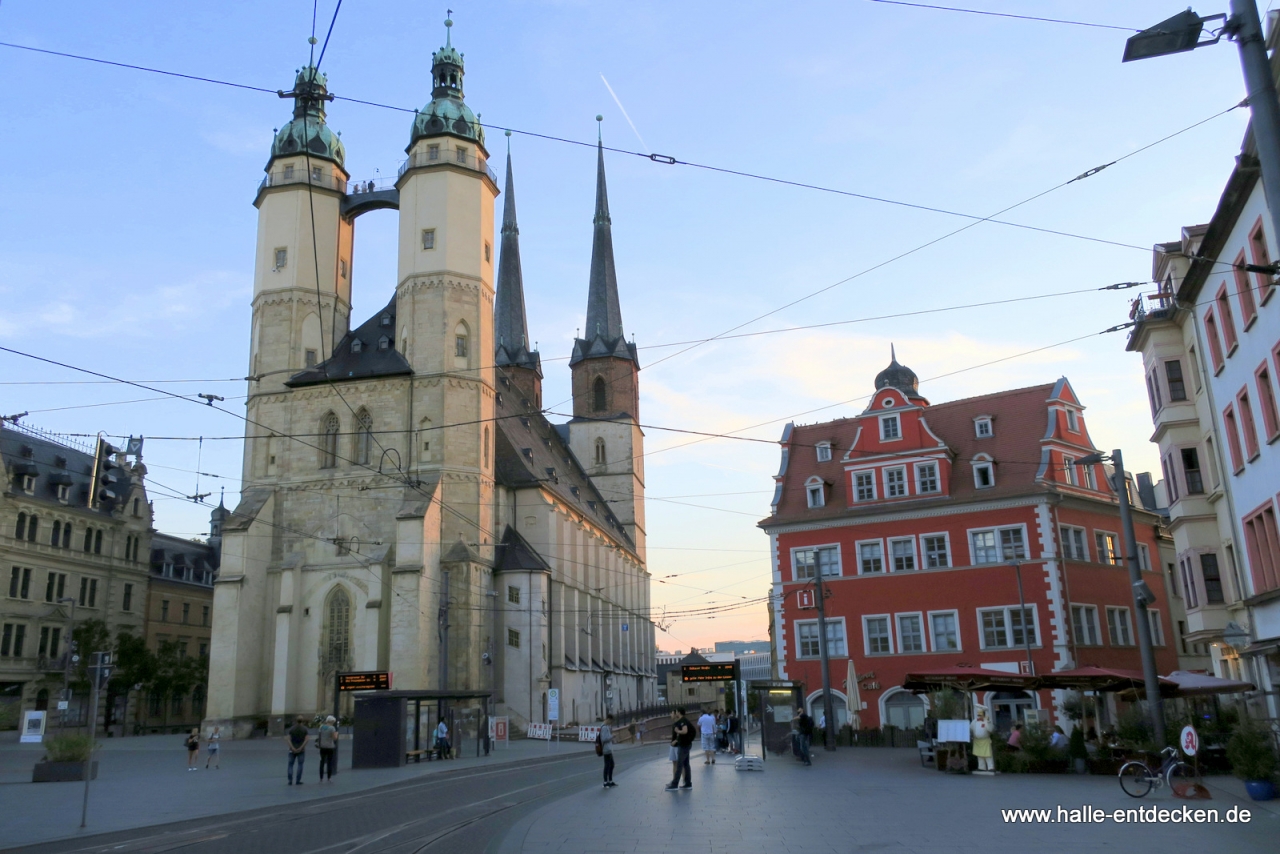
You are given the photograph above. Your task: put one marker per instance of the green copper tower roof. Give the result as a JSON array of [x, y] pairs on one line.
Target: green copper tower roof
[[307, 133], [447, 112]]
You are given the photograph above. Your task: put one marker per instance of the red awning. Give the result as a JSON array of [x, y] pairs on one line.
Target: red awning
[[1094, 678], [965, 677]]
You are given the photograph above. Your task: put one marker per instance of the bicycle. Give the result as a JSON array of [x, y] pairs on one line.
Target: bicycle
[[1138, 779]]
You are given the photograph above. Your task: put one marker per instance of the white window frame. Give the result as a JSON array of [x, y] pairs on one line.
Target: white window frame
[[835, 625], [937, 478], [1070, 554], [891, 559], [896, 420], [983, 465], [900, 470], [815, 493], [1128, 626], [1069, 469], [835, 547], [1107, 559], [1156, 627], [946, 539], [823, 450], [858, 552], [1090, 479], [1008, 626], [1091, 611], [973, 556], [979, 423], [866, 635], [871, 475], [1073, 421], [955, 617], [924, 632], [1144, 557]]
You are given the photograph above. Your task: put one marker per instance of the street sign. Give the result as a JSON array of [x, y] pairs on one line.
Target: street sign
[[371, 680], [62, 705], [625, 627], [1189, 740], [498, 729], [804, 599], [553, 704], [714, 672]]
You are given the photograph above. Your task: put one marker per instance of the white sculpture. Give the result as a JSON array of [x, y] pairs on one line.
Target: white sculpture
[[981, 729]]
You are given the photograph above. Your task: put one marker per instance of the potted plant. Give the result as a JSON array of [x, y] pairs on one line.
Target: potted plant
[[65, 759], [1253, 760], [1077, 752]]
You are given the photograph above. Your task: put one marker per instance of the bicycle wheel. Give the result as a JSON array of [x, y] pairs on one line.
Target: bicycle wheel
[[1180, 778], [1135, 779]]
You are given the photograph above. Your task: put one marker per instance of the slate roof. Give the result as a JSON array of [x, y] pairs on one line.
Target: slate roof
[[516, 555], [182, 553], [54, 463], [1019, 417], [510, 326], [530, 451], [374, 356]]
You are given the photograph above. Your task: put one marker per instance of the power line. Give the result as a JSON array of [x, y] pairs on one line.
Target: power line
[[1007, 15]]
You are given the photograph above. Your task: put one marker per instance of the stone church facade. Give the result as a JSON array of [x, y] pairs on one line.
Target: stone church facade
[[406, 504]]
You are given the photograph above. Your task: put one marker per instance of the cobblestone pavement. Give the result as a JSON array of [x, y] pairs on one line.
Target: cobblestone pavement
[[144, 781], [863, 800]]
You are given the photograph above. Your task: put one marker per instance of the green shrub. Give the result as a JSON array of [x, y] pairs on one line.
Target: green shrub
[[1250, 752], [947, 705], [68, 747], [1133, 728]]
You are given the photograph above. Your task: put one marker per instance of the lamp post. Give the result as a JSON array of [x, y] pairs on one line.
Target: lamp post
[[1142, 594], [1182, 33]]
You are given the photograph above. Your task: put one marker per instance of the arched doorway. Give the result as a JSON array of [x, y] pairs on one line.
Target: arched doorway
[[42, 700], [839, 703], [904, 710], [1008, 707]]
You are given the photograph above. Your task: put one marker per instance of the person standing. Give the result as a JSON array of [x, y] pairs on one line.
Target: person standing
[[327, 741], [707, 729], [215, 739], [804, 725], [606, 746], [682, 733], [734, 730], [442, 739], [297, 738], [193, 749]]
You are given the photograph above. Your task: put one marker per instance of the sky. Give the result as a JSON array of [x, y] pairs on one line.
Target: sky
[[127, 229]]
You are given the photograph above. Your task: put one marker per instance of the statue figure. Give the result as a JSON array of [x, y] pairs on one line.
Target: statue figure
[[981, 728]]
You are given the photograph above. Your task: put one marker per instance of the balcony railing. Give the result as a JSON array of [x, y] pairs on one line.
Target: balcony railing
[[452, 156], [321, 178]]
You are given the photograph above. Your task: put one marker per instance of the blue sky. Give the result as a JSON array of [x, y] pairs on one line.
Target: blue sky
[[127, 226]]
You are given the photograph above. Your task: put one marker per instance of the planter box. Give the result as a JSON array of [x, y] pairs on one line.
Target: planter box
[[62, 772], [1260, 790]]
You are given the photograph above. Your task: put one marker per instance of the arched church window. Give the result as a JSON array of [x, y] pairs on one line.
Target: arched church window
[[20, 530], [337, 635], [486, 447], [329, 427], [460, 343], [598, 396], [364, 436], [600, 454]]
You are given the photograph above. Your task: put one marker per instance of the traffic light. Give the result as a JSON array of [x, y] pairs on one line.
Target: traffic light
[[106, 474]]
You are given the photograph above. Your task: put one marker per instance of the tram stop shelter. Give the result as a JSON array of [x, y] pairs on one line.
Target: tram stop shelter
[[777, 701], [392, 727]]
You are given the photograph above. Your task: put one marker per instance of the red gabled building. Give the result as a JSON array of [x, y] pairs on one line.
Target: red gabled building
[[915, 515]]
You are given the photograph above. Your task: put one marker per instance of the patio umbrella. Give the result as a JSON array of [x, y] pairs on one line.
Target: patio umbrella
[[853, 698], [966, 677], [1094, 678], [1202, 684]]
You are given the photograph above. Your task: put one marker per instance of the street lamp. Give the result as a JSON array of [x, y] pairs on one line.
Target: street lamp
[[1142, 595], [1182, 33]]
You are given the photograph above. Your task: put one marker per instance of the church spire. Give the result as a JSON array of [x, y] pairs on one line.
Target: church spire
[[510, 326]]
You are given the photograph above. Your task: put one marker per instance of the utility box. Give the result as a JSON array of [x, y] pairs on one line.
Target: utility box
[[378, 738]]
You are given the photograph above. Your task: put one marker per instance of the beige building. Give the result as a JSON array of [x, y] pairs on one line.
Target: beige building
[[75, 532], [406, 504]]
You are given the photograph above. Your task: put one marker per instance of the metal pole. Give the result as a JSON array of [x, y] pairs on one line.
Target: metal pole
[[1263, 103], [444, 635], [1155, 706], [66, 666], [94, 670], [828, 711], [337, 721], [1022, 604]]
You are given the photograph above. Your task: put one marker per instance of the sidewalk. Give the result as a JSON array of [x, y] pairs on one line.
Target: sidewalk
[[867, 799], [144, 781]]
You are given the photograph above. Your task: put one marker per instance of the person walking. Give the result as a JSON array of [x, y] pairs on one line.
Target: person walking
[[734, 731], [215, 739], [707, 729], [327, 741], [297, 738], [804, 725], [193, 749], [606, 747], [682, 733]]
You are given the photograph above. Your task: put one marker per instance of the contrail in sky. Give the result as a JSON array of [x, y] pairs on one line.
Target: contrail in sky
[[624, 113]]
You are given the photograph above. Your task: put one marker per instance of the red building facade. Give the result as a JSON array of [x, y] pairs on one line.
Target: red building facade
[[921, 519]]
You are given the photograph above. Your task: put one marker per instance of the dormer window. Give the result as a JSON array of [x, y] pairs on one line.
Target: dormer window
[[28, 483], [385, 321], [64, 493], [815, 492], [1073, 421], [824, 452], [356, 345], [890, 428], [384, 343], [982, 427], [984, 473]]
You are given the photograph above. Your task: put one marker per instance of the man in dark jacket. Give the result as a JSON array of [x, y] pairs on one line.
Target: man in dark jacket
[[682, 734], [804, 725]]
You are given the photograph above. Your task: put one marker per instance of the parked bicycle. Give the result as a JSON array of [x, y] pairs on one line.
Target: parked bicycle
[[1137, 777]]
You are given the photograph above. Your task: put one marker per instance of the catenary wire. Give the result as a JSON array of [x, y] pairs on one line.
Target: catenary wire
[[1006, 15]]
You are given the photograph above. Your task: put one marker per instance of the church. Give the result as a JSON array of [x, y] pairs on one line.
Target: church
[[406, 506]]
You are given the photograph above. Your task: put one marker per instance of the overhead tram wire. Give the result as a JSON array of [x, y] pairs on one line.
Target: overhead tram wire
[[1007, 15]]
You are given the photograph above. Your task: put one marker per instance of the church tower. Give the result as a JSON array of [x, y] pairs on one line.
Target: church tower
[[302, 271], [512, 356], [605, 431]]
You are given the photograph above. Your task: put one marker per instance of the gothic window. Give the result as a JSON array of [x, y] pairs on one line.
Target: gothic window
[[364, 436], [20, 530], [56, 537], [600, 454], [598, 396], [486, 447], [460, 344], [329, 441], [337, 641]]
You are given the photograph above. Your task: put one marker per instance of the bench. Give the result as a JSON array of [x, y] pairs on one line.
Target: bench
[[927, 754], [416, 755]]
